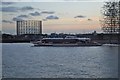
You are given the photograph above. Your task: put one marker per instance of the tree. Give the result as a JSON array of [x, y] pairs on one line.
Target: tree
[[111, 17]]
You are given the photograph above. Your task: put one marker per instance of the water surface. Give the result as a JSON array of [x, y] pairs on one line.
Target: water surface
[[20, 60]]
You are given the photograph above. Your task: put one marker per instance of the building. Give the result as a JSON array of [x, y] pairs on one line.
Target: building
[[29, 27]]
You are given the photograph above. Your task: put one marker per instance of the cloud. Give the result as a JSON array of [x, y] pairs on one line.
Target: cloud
[[20, 17], [9, 9], [52, 17], [89, 19], [35, 14], [47, 12], [23, 16], [17, 19], [7, 21], [16, 9], [27, 8], [7, 3], [80, 16]]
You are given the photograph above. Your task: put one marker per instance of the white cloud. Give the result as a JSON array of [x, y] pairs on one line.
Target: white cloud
[[35, 14], [51, 17]]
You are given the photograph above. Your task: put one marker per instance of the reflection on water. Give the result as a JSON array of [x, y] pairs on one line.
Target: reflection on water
[[24, 61]]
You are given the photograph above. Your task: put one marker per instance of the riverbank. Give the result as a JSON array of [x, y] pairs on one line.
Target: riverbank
[[100, 38], [28, 41]]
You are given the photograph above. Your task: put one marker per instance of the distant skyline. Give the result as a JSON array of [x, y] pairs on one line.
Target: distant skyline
[[59, 17]]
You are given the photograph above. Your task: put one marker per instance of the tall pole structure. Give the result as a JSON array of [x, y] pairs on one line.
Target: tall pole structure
[[111, 18]]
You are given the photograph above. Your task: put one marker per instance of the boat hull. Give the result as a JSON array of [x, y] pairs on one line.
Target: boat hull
[[65, 45]]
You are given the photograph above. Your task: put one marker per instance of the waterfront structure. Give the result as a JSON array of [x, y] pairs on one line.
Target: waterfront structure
[[29, 27], [68, 41], [111, 17]]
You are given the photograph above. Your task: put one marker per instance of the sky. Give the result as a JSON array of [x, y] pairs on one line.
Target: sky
[[57, 17]]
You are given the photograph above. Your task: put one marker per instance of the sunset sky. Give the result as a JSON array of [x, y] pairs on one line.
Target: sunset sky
[[59, 17]]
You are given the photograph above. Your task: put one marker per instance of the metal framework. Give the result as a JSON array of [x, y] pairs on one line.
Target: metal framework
[[111, 17]]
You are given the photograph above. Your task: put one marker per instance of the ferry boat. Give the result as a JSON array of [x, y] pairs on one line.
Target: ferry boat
[[66, 42]]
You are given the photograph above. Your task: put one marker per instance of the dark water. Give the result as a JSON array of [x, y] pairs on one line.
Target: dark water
[[20, 60], [0, 60]]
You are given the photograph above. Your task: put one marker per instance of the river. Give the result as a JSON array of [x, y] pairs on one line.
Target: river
[[22, 60]]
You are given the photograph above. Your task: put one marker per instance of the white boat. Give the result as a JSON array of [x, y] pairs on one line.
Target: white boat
[[111, 45], [66, 42]]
